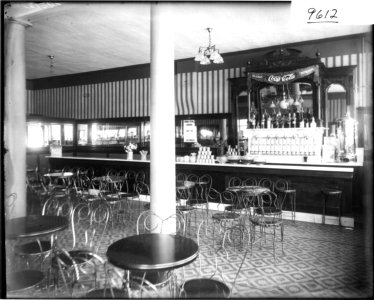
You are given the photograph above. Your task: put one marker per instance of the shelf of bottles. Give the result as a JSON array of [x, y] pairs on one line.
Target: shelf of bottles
[[285, 141]]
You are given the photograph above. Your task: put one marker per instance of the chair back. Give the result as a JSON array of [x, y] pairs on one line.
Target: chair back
[[250, 181], [130, 181], [204, 184], [234, 181], [90, 172], [270, 210], [111, 172], [266, 183], [89, 225], [140, 176], [281, 185], [143, 191], [148, 222], [122, 173], [214, 196], [57, 207], [228, 197], [10, 202], [176, 220], [181, 176], [270, 200]]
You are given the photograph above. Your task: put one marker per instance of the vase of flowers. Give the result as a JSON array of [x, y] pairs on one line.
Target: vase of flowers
[[143, 155], [129, 150]]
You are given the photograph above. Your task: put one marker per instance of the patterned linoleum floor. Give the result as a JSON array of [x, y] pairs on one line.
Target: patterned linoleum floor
[[319, 261]]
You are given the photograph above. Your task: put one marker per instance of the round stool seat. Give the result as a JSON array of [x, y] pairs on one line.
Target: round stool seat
[[33, 248], [106, 293], [185, 208], [334, 195], [206, 288], [331, 191], [22, 280], [226, 216]]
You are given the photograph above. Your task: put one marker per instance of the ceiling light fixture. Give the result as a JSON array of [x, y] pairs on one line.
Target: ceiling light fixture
[[206, 54], [51, 66]]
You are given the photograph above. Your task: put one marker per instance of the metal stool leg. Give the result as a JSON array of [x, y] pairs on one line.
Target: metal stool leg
[[323, 208]]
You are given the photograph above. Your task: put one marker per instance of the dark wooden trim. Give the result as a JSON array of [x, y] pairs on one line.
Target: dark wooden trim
[[108, 75]]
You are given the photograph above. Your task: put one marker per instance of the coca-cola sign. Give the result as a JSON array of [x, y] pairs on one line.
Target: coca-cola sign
[[279, 78]]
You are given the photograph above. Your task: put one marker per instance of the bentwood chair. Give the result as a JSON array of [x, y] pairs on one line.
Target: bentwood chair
[[287, 194], [214, 280], [199, 199], [78, 267], [229, 216], [183, 207], [268, 217], [37, 191]]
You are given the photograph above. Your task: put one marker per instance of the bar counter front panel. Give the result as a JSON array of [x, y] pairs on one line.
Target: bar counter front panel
[[307, 178]]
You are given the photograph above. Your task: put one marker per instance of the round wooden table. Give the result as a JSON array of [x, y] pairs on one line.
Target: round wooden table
[[25, 227], [247, 194], [152, 252], [34, 225]]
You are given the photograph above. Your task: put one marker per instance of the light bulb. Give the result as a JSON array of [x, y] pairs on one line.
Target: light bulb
[[218, 59], [199, 56], [205, 61]]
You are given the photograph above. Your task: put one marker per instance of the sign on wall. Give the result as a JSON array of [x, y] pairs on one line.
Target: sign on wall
[[189, 131]]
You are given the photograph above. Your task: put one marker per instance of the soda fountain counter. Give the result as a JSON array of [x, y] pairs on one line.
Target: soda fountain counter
[[308, 177]]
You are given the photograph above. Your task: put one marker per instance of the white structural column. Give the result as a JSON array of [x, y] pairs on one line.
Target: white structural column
[[15, 114], [162, 112]]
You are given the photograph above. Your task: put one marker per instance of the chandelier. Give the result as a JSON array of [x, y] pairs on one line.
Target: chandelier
[[206, 54]]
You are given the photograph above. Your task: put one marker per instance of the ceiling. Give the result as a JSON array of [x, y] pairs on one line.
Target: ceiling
[[90, 36]]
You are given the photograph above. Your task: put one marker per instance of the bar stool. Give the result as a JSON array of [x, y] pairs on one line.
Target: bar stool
[[283, 187], [333, 195], [23, 283]]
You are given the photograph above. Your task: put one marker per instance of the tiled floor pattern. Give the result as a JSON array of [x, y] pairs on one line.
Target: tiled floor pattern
[[320, 261]]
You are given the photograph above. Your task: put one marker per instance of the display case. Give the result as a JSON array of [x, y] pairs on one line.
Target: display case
[[285, 86], [113, 133]]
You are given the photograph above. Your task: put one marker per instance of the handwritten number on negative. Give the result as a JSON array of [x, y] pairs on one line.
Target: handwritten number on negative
[[330, 16]]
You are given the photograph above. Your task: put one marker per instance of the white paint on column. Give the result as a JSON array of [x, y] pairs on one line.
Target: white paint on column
[[15, 114], [162, 113]]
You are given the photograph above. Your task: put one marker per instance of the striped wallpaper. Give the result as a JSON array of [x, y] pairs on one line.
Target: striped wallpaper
[[334, 108], [195, 93]]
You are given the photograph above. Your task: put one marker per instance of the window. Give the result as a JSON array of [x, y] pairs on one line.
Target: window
[[68, 134], [82, 134], [35, 136], [42, 134]]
